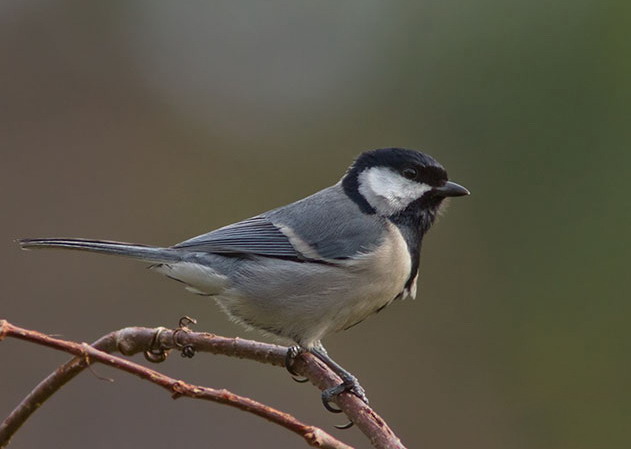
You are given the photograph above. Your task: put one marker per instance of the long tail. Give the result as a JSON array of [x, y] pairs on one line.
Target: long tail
[[140, 252]]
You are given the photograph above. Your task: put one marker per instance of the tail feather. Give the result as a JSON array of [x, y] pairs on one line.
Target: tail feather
[[134, 251]]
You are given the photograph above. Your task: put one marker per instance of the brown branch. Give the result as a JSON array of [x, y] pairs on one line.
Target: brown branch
[[137, 339], [87, 354]]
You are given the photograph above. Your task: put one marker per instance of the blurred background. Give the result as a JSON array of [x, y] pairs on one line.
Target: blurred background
[[154, 121]]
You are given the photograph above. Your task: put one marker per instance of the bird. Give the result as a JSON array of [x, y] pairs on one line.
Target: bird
[[316, 266]]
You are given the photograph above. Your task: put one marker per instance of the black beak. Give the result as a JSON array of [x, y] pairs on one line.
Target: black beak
[[451, 189]]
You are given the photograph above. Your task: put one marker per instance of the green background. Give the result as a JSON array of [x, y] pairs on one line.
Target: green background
[[151, 122]]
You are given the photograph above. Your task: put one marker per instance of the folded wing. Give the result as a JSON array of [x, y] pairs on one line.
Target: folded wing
[[255, 235]]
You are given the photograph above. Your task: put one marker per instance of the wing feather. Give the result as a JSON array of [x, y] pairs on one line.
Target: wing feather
[[255, 235]]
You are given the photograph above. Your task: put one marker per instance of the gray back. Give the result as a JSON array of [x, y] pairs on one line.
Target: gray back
[[331, 223]]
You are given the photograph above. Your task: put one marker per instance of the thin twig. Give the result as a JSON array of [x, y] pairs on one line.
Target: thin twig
[[88, 354], [137, 339]]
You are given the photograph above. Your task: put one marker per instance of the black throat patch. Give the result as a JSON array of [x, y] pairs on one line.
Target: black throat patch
[[413, 223]]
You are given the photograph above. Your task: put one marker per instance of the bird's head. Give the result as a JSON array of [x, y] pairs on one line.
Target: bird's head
[[395, 181]]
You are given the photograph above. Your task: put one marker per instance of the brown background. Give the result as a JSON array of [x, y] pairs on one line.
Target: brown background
[[155, 121]]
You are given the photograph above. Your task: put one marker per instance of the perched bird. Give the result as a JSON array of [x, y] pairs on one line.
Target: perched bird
[[316, 266]]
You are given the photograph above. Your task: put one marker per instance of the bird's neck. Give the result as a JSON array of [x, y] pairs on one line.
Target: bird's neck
[[350, 184], [419, 215], [413, 223]]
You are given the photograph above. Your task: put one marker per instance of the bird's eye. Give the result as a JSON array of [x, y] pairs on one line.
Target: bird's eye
[[409, 173]]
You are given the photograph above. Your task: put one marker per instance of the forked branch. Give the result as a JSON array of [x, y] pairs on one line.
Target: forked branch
[[156, 342]]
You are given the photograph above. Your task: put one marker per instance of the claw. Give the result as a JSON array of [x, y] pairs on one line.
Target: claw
[[290, 357], [349, 384], [300, 380], [326, 401], [329, 394], [329, 407], [358, 391], [348, 425]]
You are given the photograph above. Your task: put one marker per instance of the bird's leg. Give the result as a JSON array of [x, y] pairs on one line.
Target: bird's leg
[[290, 357], [349, 382]]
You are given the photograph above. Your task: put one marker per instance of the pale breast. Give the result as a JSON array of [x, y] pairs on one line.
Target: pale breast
[[382, 274]]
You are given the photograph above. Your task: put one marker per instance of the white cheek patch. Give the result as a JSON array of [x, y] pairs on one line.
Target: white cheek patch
[[387, 191]]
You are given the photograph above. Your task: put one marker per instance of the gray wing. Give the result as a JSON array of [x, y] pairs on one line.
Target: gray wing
[[331, 224], [255, 235]]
